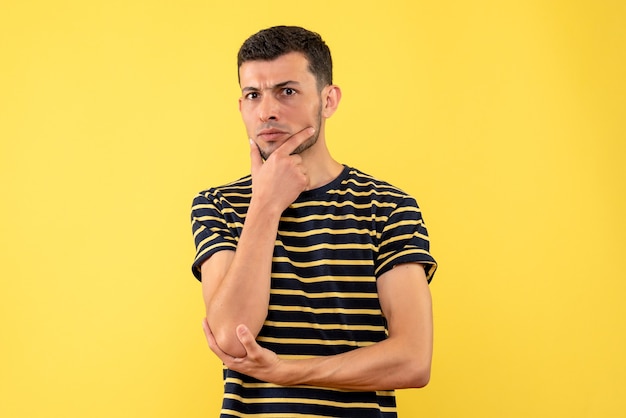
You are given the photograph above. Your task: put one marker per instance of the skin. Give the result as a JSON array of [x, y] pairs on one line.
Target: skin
[[284, 112]]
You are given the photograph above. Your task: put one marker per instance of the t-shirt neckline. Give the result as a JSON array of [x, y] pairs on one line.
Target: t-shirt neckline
[[333, 184]]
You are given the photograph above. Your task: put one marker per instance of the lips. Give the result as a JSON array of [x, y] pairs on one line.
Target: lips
[[271, 134]]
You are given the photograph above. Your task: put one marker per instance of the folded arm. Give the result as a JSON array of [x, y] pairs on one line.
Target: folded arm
[[403, 360]]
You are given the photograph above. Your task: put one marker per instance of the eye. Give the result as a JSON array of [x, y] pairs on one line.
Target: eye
[[252, 95], [288, 91]]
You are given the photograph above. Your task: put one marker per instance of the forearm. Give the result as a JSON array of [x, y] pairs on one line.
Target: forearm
[[403, 360], [242, 296], [390, 364]]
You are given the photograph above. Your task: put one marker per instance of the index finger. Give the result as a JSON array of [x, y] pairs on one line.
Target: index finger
[[294, 141]]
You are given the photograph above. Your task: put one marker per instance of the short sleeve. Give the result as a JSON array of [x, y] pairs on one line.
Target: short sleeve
[[404, 239], [210, 230]]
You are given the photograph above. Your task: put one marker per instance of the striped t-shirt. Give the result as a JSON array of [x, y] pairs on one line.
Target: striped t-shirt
[[332, 244]]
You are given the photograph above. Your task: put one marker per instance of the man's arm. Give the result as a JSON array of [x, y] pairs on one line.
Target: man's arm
[[236, 284], [401, 361]]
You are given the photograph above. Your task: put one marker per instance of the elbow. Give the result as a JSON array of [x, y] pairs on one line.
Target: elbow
[[228, 342], [225, 337], [418, 376], [422, 379]]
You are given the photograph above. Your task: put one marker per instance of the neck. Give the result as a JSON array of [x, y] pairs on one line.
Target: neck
[[320, 166]]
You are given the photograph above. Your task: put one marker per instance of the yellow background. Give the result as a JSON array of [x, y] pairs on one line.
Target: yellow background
[[504, 119]]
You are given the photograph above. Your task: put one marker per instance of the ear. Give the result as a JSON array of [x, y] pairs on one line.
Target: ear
[[331, 95], [240, 105]]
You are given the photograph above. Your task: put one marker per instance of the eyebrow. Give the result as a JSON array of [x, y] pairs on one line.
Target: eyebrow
[[274, 87]]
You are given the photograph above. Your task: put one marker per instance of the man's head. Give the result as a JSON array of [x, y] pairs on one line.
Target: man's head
[[285, 75], [276, 41]]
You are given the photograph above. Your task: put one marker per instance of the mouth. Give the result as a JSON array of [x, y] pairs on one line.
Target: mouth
[[271, 134]]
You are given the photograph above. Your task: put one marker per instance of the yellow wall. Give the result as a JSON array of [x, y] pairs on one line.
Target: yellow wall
[[504, 119]]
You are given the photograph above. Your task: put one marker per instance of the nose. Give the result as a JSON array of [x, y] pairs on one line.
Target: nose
[[268, 108]]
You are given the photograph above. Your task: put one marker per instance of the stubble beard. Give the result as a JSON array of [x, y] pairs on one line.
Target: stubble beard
[[306, 144]]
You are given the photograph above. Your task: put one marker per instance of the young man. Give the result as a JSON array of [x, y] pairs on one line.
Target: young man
[[314, 274]]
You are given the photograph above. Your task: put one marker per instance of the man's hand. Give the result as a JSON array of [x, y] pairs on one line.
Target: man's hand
[[259, 362], [282, 177]]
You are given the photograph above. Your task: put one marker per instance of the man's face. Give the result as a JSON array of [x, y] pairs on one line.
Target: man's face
[[279, 99]]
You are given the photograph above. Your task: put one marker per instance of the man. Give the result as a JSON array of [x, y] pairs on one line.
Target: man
[[314, 274]]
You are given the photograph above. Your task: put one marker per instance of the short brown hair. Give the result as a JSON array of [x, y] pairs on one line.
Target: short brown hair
[[271, 43]]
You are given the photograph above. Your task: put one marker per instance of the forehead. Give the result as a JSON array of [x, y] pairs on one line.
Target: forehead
[[289, 67]]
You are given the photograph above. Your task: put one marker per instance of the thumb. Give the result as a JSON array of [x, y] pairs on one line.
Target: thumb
[[245, 337], [255, 157]]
